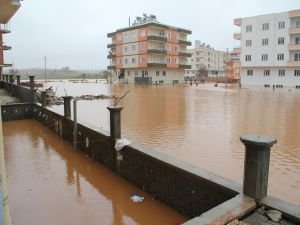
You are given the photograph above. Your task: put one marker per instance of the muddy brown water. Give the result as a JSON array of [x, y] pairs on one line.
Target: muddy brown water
[[48, 183], [202, 125]]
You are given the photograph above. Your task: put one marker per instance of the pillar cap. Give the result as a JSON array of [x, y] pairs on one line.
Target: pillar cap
[[31, 75], [258, 140], [67, 97], [112, 108]]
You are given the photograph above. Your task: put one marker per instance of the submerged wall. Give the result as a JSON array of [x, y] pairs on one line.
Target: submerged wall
[[189, 190]]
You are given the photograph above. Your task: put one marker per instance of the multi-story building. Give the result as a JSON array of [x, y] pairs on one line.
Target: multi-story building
[[7, 9], [233, 66], [149, 52], [270, 49], [205, 59]]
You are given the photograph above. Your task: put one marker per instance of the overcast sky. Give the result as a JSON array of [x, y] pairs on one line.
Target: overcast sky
[[73, 32]]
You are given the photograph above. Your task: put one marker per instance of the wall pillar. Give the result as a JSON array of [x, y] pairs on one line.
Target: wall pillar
[[44, 98], [18, 79], [11, 78], [67, 106], [6, 78], [115, 121], [256, 165], [31, 82]]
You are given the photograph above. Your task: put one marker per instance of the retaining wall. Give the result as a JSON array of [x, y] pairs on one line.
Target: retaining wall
[[189, 190]]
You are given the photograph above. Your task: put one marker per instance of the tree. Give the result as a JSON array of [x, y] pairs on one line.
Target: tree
[[202, 71]]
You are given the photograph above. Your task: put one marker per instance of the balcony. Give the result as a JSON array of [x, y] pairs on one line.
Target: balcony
[[237, 36], [237, 22], [294, 30], [112, 34], [185, 66], [8, 9], [157, 64], [111, 67], [183, 42], [293, 63], [236, 50], [292, 47], [294, 13], [157, 51], [156, 38], [185, 54], [4, 29], [6, 65], [112, 45], [5, 47], [111, 56]]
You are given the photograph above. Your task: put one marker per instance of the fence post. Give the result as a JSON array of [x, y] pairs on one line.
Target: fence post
[[256, 165], [67, 106], [115, 121]]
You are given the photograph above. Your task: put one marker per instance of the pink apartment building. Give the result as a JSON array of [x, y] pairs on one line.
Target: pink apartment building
[[149, 52]]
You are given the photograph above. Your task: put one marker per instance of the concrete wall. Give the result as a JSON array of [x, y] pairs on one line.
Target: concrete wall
[[189, 190], [23, 93]]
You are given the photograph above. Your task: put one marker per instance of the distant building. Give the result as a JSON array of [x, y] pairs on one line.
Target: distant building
[[149, 52], [205, 59], [233, 66], [270, 49], [7, 9]]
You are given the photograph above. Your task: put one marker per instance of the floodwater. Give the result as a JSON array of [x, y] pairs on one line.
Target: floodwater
[[49, 183], [202, 125]]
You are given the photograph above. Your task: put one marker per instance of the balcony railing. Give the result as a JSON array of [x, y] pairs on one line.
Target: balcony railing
[[6, 65], [5, 47], [185, 66], [111, 56], [111, 67], [294, 47], [157, 51], [236, 50], [156, 64], [293, 63], [182, 42], [4, 28], [112, 45], [237, 22], [294, 30], [156, 38], [237, 36], [185, 54]]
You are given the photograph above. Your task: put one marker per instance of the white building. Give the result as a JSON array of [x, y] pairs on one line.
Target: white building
[[270, 49], [204, 57]]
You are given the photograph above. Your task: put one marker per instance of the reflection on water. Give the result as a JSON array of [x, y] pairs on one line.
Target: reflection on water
[[202, 125], [49, 183]]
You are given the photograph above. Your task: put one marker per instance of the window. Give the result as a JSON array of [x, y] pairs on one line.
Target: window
[[297, 73], [265, 26], [298, 24], [281, 73], [248, 57], [164, 73], [297, 40], [142, 46], [281, 41], [297, 57], [144, 73], [126, 61], [125, 36], [264, 57], [133, 47], [176, 48], [248, 43], [119, 37], [249, 72], [266, 72], [168, 60], [128, 73], [265, 41], [281, 25], [177, 36], [119, 61], [136, 73], [125, 48], [169, 35], [157, 73], [280, 57], [143, 60], [175, 61], [249, 28], [168, 47], [119, 49], [143, 33]]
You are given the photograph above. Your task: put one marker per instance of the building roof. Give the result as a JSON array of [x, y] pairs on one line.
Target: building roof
[[147, 24]]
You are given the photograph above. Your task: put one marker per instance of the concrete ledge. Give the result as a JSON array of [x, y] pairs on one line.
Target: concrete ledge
[[289, 210], [234, 208]]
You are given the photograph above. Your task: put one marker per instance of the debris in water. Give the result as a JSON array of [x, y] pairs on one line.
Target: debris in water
[[136, 198]]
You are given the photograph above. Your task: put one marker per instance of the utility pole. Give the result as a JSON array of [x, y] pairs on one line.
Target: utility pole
[[45, 61]]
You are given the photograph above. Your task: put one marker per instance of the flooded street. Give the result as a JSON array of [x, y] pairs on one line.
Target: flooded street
[[48, 183], [202, 125]]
